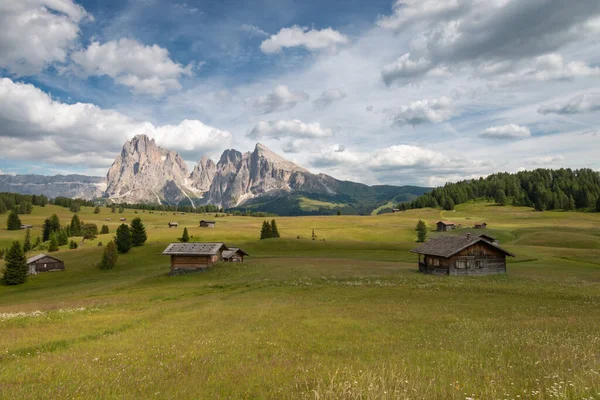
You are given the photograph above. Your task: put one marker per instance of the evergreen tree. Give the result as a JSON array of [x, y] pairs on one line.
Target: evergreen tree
[[73, 245], [138, 232], [13, 223], [185, 237], [74, 207], [500, 197], [89, 231], [15, 272], [339, 212], [51, 225], [97, 210], [27, 242], [53, 245], [62, 237], [75, 226], [104, 230], [113, 208], [109, 256], [266, 232], [449, 204], [123, 238], [421, 229], [598, 204], [274, 230], [121, 209], [571, 203], [38, 241], [3, 208]]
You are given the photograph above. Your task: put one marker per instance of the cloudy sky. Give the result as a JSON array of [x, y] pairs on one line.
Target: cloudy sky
[[404, 92]]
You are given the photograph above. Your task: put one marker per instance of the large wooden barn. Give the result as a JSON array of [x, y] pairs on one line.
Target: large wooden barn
[[191, 257], [44, 263], [234, 254], [462, 255]]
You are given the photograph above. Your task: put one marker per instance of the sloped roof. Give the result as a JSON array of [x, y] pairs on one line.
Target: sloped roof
[[446, 222], [33, 259], [447, 246], [232, 251], [194, 249], [208, 222]]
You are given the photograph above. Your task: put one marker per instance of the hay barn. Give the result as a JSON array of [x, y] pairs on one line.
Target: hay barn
[[192, 257], [234, 254], [44, 263], [207, 224]]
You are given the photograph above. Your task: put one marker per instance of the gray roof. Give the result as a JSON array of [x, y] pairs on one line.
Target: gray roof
[[194, 249], [33, 259], [208, 222], [232, 251], [447, 246]]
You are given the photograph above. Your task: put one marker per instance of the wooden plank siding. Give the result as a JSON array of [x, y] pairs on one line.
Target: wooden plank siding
[[478, 259]]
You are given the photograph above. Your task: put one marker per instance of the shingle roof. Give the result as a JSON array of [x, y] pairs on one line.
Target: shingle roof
[[232, 251], [194, 249], [39, 257], [447, 246]]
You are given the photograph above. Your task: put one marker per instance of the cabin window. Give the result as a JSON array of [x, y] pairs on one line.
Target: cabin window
[[435, 262], [461, 264], [479, 264]]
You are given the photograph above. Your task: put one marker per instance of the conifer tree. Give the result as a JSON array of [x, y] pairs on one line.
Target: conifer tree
[[266, 232], [53, 245], [75, 226], [421, 229], [38, 241], [51, 225], [62, 237], [3, 208], [185, 237], [598, 204], [274, 230], [113, 208], [138, 232], [13, 223], [104, 230], [123, 238], [73, 245], [121, 209], [15, 272], [97, 210], [109, 256], [27, 242]]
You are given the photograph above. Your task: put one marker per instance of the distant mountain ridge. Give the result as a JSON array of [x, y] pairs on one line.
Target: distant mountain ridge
[[260, 180], [73, 186]]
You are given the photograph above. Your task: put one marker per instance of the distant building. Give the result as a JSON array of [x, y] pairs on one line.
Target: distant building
[[462, 255], [173, 224], [479, 225], [122, 219], [26, 226], [193, 257], [207, 224], [395, 210], [44, 263], [234, 254], [444, 226]]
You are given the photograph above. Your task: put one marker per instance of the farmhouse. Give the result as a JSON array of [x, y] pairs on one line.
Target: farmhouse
[[44, 263], [192, 257], [234, 254], [479, 225], [173, 224], [444, 226], [462, 255], [207, 224]]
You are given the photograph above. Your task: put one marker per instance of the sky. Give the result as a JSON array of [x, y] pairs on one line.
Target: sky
[[381, 92]]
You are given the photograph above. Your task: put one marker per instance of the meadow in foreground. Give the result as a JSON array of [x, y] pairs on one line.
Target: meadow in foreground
[[348, 317]]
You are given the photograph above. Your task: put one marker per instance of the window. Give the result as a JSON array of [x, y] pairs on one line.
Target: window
[[461, 264]]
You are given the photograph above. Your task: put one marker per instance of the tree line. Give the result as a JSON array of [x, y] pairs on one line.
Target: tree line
[[542, 189]]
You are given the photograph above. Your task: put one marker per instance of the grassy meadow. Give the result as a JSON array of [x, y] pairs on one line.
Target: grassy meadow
[[345, 316]]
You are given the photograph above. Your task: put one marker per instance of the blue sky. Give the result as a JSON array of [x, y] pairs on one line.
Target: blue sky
[[399, 92]]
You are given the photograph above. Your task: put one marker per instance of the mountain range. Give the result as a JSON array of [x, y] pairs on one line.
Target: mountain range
[[260, 180]]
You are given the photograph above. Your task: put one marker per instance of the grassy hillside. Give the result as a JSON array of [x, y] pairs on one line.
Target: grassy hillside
[[347, 317]]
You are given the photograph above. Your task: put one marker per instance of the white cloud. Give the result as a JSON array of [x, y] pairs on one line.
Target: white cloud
[[581, 104], [280, 99], [297, 36], [294, 129], [545, 160], [329, 96], [253, 30], [84, 133], [422, 111], [409, 12], [336, 155], [37, 33], [510, 131], [404, 156], [145, 69]]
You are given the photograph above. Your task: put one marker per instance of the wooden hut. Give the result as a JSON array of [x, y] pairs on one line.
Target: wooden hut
[[122, 219], [479, 225], [445, 226], [207, 224], [192, 257], [462, 255], [234, 254], [26, 226], [173, 224], [44, 263]]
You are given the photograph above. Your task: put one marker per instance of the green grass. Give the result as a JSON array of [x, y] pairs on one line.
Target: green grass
[[344, 317]]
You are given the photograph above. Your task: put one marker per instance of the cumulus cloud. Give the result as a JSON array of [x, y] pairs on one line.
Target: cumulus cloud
[[510, 131], [405, 156], [545, 160], [336, 155], [581, 104], [145, 69], [297, 36], [83, 133], [293, 129], [422, 111], [37, 33], [253, 30], [476, 32], [280, 99], [329, 96]]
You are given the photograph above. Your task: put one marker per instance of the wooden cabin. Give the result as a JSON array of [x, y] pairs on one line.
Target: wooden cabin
[[479, 225], [26, 226], [173, 224], [462, 255], [445, 226], [207, 224], [194, 257], [44, 263], [234, 254], [122, 219]]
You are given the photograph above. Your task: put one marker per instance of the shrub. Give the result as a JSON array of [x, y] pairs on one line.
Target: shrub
[[89, 231]]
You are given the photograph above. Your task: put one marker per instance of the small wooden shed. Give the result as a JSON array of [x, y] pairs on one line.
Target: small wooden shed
[[234, 254], [173, 224], [462, 255], [480, 225], [44, 263], [122, 219], [193, 257], [445, 226], [26, 226], [207, 224]]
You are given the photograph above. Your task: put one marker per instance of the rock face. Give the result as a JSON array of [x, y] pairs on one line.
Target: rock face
[[73, 186]]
